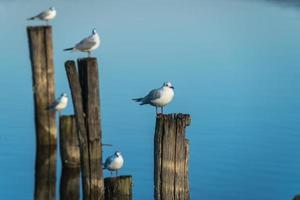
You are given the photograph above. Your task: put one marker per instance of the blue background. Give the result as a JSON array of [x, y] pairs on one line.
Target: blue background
[[235, 68]]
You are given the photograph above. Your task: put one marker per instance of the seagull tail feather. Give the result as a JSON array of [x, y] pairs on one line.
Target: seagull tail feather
[[137, 99], [69, 49], [31, 18]]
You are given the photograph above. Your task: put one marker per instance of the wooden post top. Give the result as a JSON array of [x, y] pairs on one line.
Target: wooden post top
[[87, 59], [119, 177], [175, 116], [39, 27]]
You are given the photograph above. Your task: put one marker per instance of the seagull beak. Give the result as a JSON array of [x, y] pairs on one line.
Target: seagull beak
[[172, 87]]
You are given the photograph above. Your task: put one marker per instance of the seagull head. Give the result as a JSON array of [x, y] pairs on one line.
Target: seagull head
[[168, 84], [94, 31], [52, 8], [118, 153], [64, 94]]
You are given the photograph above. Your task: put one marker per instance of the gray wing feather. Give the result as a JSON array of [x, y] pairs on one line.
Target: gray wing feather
[[108, 161], [86, 43], [54, 104], [43, 14], [153, 94]]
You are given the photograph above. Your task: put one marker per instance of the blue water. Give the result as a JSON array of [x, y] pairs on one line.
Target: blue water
[[235, 66]]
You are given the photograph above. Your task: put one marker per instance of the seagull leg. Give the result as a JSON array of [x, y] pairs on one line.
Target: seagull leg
[[116, 173], [162, 110], [89, 54], [156, 109], [110, 173]]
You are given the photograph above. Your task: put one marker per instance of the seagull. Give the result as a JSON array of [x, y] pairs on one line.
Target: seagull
[[46, 15], [60, 103], [114, 162], [158, 97], [88, 44]]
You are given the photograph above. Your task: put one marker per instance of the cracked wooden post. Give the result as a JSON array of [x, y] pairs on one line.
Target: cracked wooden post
[[118, 188], [171, 154], [70, 157], [297, 197], [41, 56], [86, 99]]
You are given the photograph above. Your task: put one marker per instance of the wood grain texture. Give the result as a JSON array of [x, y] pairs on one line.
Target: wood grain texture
[[89, 78], [75, 87], [41, 56], [170, 157], [86, 98], [70, 157], [118, 188]]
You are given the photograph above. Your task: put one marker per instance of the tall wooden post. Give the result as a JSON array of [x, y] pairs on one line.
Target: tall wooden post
[[171, 157], [85, 94], [297, 197], [118, 188], [70, 156], [41, 56], [89, 79]]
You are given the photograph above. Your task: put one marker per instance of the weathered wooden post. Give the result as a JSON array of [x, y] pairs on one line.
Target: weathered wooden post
[[86, 100], [89, 79], [171, 151], [297, 197], [70, 156], [41, 56], [118, 188]]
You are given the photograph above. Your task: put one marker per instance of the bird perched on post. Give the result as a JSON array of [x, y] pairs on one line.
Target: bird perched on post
[[114, 162], [159, 97], [46, 15], [60, 103], [88, 44]]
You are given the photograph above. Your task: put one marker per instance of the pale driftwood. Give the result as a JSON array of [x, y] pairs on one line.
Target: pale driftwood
[[41, 56]]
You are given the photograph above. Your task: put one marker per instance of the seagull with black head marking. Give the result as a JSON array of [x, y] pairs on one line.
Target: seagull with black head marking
[[60, 103], [159, 97], [88, 44], [114, 162], [46, 15]]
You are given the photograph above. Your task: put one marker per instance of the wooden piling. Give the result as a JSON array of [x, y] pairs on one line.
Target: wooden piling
[[89, 79], [118, 188], [70, 157], [297, 197], [86, 101], [41, 56], [171, 151]]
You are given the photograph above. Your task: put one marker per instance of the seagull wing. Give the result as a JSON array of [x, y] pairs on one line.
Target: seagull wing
[[153, 94], [86, 44], [43, 15], [108, 161], [54, 104]]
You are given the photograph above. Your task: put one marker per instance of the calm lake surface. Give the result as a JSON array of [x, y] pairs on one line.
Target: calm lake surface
[[235, 66]]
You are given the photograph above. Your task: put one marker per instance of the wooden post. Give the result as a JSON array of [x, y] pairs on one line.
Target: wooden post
[[297, 197], [171, 151], [85, 94], [41, 56], [89, 79], [186, 170], [70, 157], [118, 188]]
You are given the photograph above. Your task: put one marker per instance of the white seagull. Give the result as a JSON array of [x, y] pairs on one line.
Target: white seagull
[[114, 162], [60, 103], [158, 97], [88, 44], [46, 15]]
